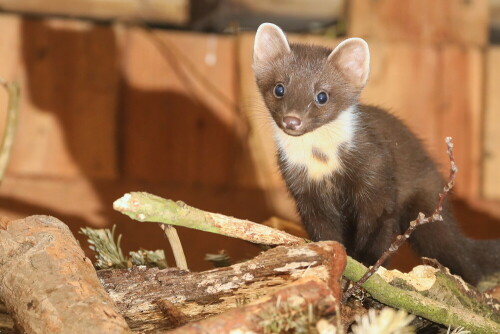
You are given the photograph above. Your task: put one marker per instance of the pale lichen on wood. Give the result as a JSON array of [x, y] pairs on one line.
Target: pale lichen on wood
[[426, 303]]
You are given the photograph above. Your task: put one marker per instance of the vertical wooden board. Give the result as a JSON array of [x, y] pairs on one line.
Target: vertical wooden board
[[404, 81], [68, 107], [430, 21], [491, 143], [460, 111], [436, 91], [261, 147], [176, 128]]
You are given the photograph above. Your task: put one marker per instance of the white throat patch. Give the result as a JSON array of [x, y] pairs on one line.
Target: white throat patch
[[318, 150]]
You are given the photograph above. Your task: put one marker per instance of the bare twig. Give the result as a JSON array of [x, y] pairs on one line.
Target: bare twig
[[175, 244], [421, 220], [13, 92]]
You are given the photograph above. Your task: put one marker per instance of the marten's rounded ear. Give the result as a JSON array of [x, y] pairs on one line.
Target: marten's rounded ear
[[270, 41], [352, 58]]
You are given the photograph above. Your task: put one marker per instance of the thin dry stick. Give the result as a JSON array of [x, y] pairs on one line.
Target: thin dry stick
[[13, 92], [175, 244], [421, 220]]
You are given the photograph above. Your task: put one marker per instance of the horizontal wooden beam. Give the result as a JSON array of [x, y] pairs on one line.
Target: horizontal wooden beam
[[421, 21], [172, 12]]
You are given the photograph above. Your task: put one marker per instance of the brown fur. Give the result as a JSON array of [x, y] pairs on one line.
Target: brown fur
[[385, 176], [319, 155]]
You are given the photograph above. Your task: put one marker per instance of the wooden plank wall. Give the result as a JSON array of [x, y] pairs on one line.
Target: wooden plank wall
[[107, 110], [491, 166], [103, 112], [172, 12], [428, 68]]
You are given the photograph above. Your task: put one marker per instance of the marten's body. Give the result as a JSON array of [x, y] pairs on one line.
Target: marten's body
[[357, 174]]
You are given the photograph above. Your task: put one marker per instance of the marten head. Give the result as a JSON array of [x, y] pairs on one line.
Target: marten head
[[306, 86]]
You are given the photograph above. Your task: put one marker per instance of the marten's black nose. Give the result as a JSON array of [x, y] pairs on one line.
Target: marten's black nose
[[291, 122]]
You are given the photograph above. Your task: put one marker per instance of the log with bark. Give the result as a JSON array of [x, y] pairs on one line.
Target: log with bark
[[44, 270], [302, 303], [152, 299], [48, 285], [470, 309]]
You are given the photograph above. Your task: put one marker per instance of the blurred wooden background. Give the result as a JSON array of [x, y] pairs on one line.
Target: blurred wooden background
[[109, 108]]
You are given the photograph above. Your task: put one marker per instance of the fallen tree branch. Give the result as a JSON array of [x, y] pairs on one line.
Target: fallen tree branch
[[421, 220], [427, 304], [48, 285], [145, 207], [152, 299], [13, 92]]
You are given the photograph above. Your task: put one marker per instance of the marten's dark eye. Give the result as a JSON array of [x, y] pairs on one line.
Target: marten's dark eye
[[321, 98], [279, 91]]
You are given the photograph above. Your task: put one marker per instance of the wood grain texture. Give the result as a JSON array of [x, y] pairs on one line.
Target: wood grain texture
[[420, 21], [491, 162], [299, 296], [436, 91], [300, 9], [174, 12], [175, 128], [137, 292], [69, 81], [48, 285]]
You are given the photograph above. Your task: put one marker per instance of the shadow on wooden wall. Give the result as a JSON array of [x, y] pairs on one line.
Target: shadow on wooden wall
[[88, 134], [104, 113]]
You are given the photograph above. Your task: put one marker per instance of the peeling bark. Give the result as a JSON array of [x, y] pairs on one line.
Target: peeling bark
[[47, 283], [432, 293], [152, 299], [251, 318], [432, 306]]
